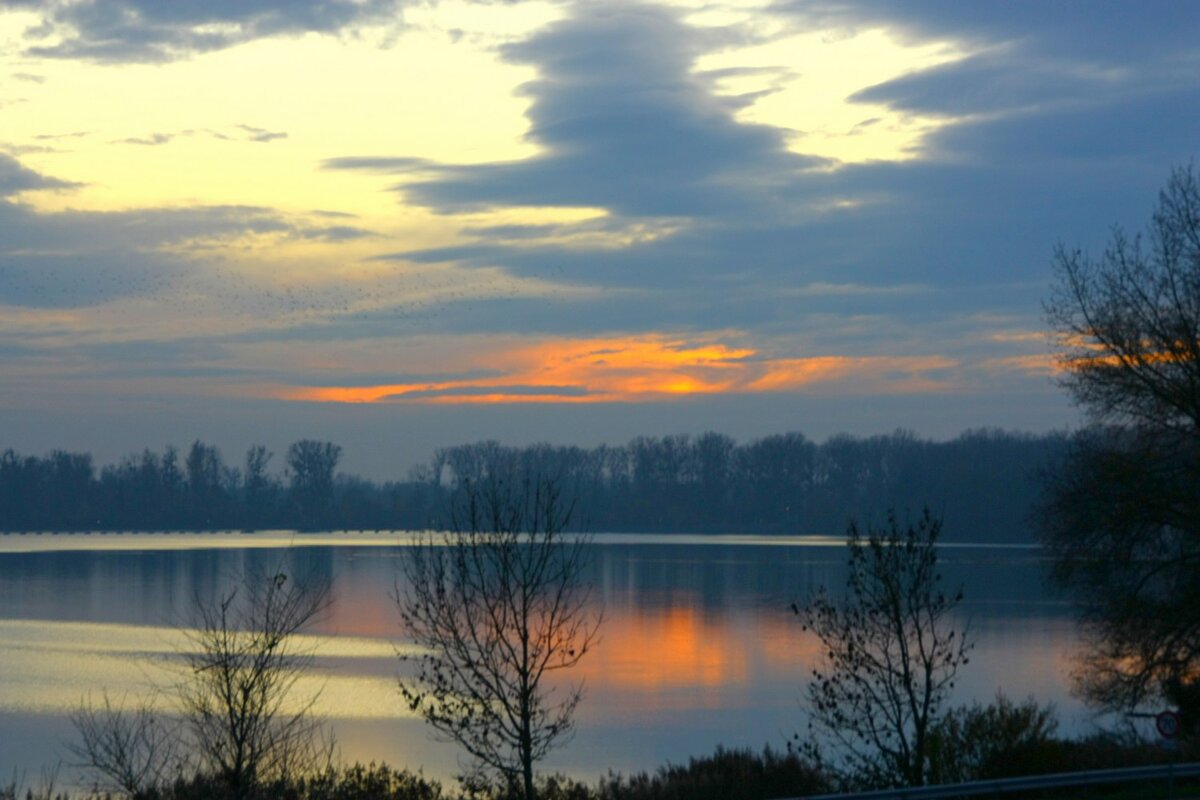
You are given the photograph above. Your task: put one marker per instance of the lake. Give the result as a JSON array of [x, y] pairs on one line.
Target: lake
[[698, 647]]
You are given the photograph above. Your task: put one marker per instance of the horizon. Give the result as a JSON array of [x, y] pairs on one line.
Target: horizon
[[401, 472]]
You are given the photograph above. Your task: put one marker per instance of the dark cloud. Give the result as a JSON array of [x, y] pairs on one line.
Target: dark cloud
[[82, 258], [1034, 60], [1098, 31], [624, 124], [54, 137], [479, 391], [384, 164], [335, 233], [975, 219], [991, 83], [15, 177], [1154, 129], [118, 31], [244, 133], [152, 140], [262, 134], [25, 149], [1055, 144]]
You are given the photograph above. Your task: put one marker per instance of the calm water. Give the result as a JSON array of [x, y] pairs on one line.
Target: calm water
[[698, 645]]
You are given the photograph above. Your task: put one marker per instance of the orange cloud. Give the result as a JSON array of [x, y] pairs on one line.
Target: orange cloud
[[1036, 363], [646, 369]]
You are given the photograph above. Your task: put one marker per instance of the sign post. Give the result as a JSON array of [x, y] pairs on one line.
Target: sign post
[[1169, 725]]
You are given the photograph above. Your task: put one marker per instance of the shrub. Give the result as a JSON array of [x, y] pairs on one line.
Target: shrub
[[993, 741], [725, 775]]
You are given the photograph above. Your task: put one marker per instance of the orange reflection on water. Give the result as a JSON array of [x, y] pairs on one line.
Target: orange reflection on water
[[357, 610], [664, 648]]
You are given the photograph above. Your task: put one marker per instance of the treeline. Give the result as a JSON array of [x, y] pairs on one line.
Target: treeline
[[984, 483]]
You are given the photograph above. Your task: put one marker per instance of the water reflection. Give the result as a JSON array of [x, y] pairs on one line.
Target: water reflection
[[698, 645], [50, 666]]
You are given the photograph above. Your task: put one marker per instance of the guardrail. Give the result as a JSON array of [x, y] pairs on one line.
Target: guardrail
[[1160, 772]]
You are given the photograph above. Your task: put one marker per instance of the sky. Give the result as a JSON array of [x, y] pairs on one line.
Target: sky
[[400, 225]]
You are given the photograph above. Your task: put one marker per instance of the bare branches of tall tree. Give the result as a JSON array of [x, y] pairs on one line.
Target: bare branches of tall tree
[[126, 747], [496, 607], [892, 652], [1129, 322], [236, 718], [1122, 514], [238, 701]]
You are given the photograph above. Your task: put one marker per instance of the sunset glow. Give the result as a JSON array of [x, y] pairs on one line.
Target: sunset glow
[[637, 369], [331, 216]]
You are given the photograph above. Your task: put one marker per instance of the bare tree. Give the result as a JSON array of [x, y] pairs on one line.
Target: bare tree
[[127, 748], [892, 652], [243, 662], [1122, 513], [1129, 322], [497, 605]]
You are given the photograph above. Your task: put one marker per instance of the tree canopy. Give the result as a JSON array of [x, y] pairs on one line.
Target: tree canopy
[[1122, 513]]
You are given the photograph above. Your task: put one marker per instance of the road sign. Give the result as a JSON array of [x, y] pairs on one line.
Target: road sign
[[1168, 724]]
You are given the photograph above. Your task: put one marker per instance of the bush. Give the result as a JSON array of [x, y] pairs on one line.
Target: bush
[[725, 775], [994, 741], [1008, 740], [357, 782]]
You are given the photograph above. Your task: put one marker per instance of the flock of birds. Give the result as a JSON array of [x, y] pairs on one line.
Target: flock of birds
[[418, 296]]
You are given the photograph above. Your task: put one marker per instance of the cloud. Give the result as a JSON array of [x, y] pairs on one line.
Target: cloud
[[15, 177], [335, 233], [1109, 31], [647, 368], [75, 259], [152, 140], [623, 123], [123, 31], [242, 133], [1042, 72], [83, 258], [383, 164], [59, 136], [993, 83], [24, 149], [262, 134], [650, 207]]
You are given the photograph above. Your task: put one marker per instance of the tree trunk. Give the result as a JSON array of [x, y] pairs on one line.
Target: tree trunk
[[527, 756]]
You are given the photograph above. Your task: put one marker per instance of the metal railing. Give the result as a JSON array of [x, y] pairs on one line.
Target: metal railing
[[1165, 773]]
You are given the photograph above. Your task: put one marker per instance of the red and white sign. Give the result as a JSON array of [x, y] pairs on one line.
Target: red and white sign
[[1168, 724]]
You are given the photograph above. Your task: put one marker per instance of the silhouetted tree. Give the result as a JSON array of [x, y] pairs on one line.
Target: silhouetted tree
[[779, 484], [496, 605], [310, 466], [1122, 514], [126, 747], [205, 472], [892, 652], [259, 489], [237, 697]]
